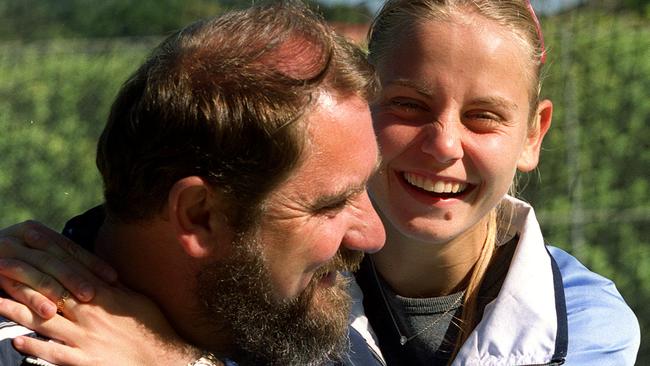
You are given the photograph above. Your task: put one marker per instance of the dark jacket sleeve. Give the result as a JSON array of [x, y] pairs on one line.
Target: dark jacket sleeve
[[8, 354], [359, 353]]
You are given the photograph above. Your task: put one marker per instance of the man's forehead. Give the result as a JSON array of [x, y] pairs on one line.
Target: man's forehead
[[341, 151], [330, 188], [353, 186]]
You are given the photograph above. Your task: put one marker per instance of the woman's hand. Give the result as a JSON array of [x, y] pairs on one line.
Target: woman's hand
[[33, 256], [119, 327]]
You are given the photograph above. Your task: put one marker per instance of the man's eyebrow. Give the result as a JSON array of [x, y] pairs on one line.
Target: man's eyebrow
[[345, 193], [333, 199]]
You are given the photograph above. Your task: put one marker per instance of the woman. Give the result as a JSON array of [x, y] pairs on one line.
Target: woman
[[465, 277]]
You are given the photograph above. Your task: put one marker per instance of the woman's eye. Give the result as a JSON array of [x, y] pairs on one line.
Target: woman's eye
[[406, 109], [406, 104], [483, 118], [487, 116], [482, 121]]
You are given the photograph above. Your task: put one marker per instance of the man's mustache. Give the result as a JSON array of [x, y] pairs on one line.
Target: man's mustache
[[344, 260]]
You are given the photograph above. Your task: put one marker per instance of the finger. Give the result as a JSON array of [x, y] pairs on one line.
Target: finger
[[19, 313], [16, 230], [27, 275], [66, 304], [41, 237], [60, 301], [40, 269], [53, 352], [57, 327], [43, 306]]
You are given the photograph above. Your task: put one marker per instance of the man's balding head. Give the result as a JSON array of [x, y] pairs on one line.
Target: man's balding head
[[222, 99]]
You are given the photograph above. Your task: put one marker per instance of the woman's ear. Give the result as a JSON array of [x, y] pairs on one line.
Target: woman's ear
[[198, 216], [542, 121]]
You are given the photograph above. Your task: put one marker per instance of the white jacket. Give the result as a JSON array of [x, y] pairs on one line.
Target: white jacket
[[546, 295]]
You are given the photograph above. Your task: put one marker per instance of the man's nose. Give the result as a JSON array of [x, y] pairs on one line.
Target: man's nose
[[367, 233]]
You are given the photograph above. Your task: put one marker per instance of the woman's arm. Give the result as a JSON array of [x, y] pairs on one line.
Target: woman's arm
[[99, 321], [119, 327], [34, 256]]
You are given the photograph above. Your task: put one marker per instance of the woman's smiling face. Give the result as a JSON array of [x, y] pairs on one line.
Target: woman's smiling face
[[452, 124]]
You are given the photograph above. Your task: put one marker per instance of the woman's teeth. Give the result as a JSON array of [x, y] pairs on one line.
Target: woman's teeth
[[435, 186]]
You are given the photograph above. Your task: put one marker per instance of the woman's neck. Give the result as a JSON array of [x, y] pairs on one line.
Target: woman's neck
[[420, 269]]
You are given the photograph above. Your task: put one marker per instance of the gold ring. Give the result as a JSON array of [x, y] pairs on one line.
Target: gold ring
[[60, 303]]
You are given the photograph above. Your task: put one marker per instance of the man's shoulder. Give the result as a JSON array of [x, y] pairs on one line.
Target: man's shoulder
[[600, 323], [83, 229], [8, 331]]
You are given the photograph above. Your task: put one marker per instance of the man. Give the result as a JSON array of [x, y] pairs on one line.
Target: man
[[235, 162]]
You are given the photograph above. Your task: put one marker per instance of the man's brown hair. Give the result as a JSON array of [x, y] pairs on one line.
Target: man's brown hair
[[223, 99]]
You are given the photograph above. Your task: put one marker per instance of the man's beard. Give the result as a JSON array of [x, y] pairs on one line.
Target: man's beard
[[238, 297]]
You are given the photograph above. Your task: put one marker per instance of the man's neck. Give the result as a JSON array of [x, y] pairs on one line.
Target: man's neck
[[149, 260]]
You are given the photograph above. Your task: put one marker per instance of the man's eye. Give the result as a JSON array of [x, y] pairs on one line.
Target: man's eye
[[332, 208]]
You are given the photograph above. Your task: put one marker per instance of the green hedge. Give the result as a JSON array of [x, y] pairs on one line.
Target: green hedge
[[54, 99], [592, 191]]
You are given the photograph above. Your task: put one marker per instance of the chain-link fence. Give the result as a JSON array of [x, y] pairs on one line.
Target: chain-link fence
[[591, 193]]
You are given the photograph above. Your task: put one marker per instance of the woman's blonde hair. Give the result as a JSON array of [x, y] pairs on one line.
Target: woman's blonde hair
[[399, 16]]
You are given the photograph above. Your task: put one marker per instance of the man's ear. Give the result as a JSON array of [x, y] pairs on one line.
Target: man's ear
[[197, 214], [530, 155]]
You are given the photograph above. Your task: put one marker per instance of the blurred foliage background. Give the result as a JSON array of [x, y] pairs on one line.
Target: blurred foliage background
[[592, 188], [62, 62]]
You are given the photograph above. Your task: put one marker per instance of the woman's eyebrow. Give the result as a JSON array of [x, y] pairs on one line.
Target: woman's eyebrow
[[496, 101], [420, 87]]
